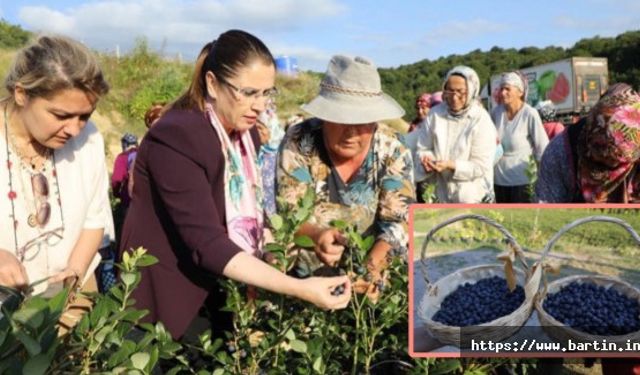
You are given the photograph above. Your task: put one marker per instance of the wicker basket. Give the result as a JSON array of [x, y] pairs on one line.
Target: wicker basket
[[435, 293], [558, 330]]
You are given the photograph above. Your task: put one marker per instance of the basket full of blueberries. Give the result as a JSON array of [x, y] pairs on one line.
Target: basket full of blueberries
[[590, 307], [478, 301]]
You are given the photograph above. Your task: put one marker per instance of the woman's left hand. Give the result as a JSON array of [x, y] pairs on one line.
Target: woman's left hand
[[67, 273], [442, 165]]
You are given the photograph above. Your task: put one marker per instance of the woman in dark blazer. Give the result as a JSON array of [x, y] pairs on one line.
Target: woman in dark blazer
[[196, 202]]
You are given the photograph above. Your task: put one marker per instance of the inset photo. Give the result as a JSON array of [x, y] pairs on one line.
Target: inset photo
[[524, 281]]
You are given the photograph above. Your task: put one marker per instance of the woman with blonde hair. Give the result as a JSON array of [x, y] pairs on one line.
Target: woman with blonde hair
[[53, 180]]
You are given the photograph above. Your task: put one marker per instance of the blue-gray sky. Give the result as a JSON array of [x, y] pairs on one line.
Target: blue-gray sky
[[391, 33]]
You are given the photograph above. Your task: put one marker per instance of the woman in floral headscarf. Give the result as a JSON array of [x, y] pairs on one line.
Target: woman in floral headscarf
[[457, 143], [601, 154]]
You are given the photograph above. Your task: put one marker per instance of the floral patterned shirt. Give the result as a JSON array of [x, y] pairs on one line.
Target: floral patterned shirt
[[377, 197]]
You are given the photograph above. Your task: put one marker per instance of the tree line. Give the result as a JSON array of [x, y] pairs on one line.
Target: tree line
[[406, 82]]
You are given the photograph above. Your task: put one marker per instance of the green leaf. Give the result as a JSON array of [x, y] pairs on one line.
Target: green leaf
[[301, 215], [318, 365], [304, 241], [290, 335], [218, 371], [140, 360], [128, 278], [298, 346], [446, 366], [32, 346], [30, 317], [339, 224], [308, 198], [152, 360], [274, 248], [276, 221], [368, 242], [37, 365], [134, 316], [146, 260], [56, 303], [102, 334], [126, 259], [122, 354]]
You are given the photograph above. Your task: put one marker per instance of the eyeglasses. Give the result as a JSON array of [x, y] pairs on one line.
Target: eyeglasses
[[458, 93], [249, 93], [40, 188], [50, 238]]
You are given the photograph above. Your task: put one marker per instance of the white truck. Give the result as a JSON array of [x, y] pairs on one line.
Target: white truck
[[574, 85]]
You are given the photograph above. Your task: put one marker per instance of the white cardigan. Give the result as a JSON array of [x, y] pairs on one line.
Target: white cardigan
[[522, 137], [82, 174], [470, 141]]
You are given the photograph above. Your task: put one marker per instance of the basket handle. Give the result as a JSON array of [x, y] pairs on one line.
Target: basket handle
[[588, 219], [510, 239], [584, 220]]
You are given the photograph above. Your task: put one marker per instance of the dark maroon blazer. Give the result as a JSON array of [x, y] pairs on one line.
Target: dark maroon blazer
[[178, 214]]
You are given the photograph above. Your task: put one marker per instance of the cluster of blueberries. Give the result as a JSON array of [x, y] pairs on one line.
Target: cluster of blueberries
[[360, 270], [481, 302], [338, 290], [594, 309]]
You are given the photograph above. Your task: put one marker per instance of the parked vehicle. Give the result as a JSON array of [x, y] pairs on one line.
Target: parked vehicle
[[574, 85]]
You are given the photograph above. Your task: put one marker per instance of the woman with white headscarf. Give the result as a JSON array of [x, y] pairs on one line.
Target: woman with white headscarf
[[457, 144], [521, 134]]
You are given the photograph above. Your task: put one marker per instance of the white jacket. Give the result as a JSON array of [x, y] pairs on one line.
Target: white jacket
[[469, 140]]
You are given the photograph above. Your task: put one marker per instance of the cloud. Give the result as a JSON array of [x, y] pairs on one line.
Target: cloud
[[603, 26], [464, 30], [180, 26]]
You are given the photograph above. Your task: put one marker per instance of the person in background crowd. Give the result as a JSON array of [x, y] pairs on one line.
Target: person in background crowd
[[121, 169], [521, 135], [54, 177], [121, 186], [153, 114], [360, 170], [596, 160], [456, 146], [435, 99], [547, 112], [423, 104], [197, 203]]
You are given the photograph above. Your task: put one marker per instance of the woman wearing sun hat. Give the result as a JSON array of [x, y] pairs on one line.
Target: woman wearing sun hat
[[359, 169]]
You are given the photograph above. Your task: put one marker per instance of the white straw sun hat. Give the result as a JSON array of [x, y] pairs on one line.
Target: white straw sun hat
[[351, 93]]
